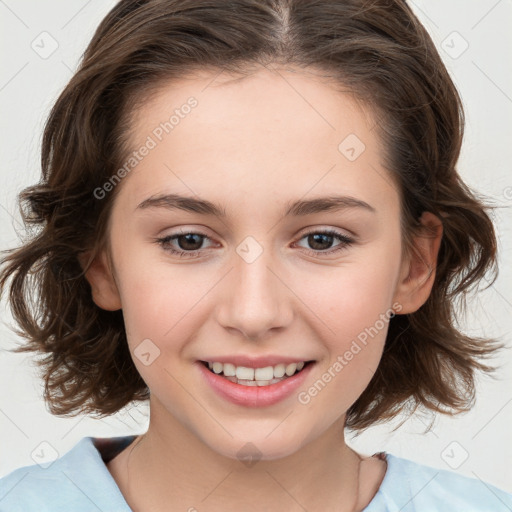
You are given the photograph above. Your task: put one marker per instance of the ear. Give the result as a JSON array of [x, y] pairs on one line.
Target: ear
[[418, 269], [105, 293]]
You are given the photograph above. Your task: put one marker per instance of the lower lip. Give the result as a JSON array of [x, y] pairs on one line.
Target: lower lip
[[254, 396]]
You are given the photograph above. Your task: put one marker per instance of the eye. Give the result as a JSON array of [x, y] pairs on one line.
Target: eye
[[318, 240], [190, 242]]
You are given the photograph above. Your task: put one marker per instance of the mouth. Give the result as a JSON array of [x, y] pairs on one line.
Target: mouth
[[261, 377], [255, 387]]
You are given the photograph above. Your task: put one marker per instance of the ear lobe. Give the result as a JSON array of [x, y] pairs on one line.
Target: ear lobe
[[418, 270], [105, 293]]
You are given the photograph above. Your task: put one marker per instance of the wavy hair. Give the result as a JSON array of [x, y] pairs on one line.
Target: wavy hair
[[377, 50]]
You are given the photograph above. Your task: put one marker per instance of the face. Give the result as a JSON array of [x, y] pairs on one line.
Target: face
[[260, 277]]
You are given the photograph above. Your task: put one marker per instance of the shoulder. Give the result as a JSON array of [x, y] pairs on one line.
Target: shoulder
[[79, 481], [409, 486]]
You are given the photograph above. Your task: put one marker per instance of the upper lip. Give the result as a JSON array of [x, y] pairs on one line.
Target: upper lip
[[255, 362]]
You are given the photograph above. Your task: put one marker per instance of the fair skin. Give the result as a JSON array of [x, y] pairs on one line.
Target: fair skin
[[253, 146]]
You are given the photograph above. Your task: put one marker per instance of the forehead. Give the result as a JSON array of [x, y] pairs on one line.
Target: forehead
[[275, 133], [299, 105]]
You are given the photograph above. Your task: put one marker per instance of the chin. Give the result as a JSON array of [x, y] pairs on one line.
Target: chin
[[249, 449]]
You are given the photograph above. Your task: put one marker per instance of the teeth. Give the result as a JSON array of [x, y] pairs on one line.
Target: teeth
[[258, 382], [290, 369], [266, 373], [229, 370], [279, 371], [244, 373], [255, 376]]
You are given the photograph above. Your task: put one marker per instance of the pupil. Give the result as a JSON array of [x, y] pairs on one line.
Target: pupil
[[188, 238], [319, 236]]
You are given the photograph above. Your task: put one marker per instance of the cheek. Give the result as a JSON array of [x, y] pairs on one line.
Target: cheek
[[158, 302], [166, 303], [354, 346], [351, 298], [354, 305]]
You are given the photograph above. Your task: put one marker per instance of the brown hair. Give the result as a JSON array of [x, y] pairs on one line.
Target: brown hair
[[379, 51]]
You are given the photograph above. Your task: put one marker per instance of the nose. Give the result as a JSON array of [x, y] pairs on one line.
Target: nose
[[255, 300]]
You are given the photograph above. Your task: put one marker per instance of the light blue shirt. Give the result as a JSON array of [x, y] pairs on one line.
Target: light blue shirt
[[79, 481]]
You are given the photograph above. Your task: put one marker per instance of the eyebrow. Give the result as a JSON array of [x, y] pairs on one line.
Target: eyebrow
[[297, 209]]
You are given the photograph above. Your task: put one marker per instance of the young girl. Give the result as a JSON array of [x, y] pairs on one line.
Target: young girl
[[250, 215]]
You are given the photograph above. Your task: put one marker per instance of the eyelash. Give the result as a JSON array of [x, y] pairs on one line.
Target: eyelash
[[344, 239]]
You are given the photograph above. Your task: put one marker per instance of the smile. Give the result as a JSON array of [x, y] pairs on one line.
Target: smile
[[255, 376], [258, 387]]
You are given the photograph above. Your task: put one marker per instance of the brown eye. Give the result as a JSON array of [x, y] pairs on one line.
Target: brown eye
[[318, 241], [185, 244], [189, 242], [321, 241]]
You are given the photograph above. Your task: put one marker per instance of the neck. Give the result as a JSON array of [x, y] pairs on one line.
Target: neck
[[169, 468]]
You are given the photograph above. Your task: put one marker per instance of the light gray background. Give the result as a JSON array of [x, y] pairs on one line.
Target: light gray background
[[477, 444]]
